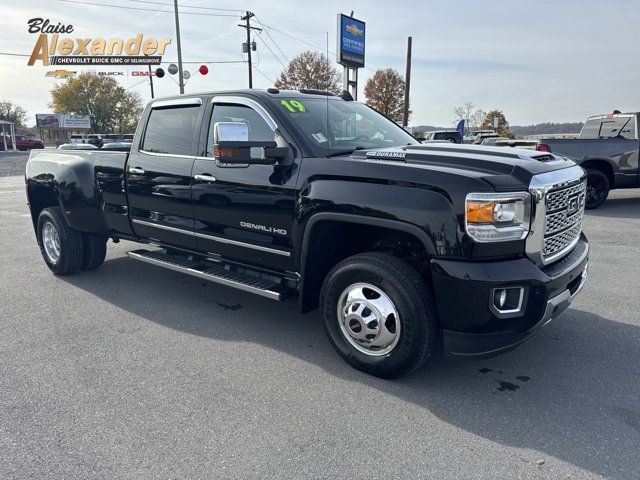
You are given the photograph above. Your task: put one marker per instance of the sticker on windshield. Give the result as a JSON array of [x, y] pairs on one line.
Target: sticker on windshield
[[293, 106], [319, 137]]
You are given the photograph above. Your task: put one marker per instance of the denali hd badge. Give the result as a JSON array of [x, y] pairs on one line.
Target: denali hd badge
[[263, 228], [387, 155]]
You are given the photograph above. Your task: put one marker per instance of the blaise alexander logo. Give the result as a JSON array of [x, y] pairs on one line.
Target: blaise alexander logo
[[53, 48]]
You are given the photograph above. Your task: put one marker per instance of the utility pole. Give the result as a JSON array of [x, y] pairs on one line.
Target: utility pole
[[180, 79], [248, 27], [407, 84], [151, 81]]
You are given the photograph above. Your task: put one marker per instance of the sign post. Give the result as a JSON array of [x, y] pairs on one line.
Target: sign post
[[350, 51]]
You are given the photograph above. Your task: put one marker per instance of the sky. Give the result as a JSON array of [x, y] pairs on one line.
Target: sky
[[538, 61]]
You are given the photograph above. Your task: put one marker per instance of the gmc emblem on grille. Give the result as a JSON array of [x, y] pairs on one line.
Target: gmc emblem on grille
[[575, 203]]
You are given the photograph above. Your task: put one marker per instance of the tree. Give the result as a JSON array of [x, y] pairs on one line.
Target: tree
[[13, 113], [309, 70], [385, 92], [108, 105], [471, 114], [503, 125]]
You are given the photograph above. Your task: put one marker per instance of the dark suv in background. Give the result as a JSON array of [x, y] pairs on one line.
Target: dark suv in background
[[452, 136], [607, 149]]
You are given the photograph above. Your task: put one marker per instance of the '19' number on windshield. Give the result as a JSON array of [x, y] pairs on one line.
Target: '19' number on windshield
[[293, 105]]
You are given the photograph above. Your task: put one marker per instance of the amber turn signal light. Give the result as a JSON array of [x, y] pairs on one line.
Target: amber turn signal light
[[480, 212]]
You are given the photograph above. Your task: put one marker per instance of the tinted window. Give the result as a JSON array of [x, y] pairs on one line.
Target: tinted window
[[259, 131], [622, 127], [170, 130]]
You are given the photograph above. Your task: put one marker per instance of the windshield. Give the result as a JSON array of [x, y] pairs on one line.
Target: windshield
[[333, 126]]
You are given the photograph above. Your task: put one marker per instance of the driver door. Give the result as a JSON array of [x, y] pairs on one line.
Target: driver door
[[244, 212]]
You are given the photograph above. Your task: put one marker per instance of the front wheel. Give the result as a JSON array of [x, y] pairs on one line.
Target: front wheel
[[597, 189], [60, 245], [379, 314]]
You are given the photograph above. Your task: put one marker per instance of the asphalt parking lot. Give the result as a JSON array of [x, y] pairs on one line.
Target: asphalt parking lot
[[131, 371]]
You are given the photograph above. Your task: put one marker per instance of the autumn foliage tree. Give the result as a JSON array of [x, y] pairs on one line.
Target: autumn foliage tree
[[384, 91], [109, 106], [309, 70], [503, 124]]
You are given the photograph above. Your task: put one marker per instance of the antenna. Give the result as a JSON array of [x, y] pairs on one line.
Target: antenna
[[328, 87]]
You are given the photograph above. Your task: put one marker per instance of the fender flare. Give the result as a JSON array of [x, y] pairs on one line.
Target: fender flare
[[372, 221], [304, 298]]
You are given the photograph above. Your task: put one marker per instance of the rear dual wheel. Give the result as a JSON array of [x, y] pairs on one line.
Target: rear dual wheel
[[65, 250]]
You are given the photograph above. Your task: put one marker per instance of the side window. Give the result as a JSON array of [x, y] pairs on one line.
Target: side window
[[591, 129], [259, 131], [628, 130], [170, 130]]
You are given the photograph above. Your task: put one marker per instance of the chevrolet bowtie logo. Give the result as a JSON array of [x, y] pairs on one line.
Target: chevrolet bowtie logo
[[354, 30], [61, 74]]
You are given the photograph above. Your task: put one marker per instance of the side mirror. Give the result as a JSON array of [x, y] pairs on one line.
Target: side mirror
[[231, 145]]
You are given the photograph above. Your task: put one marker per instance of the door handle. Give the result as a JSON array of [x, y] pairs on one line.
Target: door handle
[[137, 170], [205, 177]]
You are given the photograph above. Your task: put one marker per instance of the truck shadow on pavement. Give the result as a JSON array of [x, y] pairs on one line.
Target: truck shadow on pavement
[[619, 207], [571, 393]]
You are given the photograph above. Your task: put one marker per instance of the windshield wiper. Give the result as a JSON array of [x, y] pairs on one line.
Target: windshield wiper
[[344, 152]]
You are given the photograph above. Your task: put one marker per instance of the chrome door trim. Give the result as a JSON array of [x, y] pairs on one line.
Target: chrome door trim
[[156, 154], [247, 102], [243, 244], [162, 227], [214, 238], [177, 102]]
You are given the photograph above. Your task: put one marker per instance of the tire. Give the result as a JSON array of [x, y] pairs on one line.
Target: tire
[[378, 277], [597, 189], [94, 251], [53, 234]]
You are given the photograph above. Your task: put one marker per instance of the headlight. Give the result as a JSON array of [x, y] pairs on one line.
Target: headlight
[[497, 217]]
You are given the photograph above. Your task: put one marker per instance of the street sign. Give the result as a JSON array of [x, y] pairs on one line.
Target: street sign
[[496, 122]]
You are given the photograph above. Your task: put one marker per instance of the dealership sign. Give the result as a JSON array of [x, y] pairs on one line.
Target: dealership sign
[[62, 120], [351, 33], [52, 48]]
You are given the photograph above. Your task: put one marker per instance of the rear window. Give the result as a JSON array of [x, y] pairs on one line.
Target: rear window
[[171, 130], [613, 127]]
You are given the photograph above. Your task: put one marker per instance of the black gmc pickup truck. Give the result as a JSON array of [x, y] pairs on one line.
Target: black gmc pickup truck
[[405, 248]]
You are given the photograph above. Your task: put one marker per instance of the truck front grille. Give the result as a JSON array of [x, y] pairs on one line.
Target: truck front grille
[[563, 218]]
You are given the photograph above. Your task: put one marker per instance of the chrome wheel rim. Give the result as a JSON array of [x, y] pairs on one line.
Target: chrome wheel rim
[[51, 242], [368, 319]]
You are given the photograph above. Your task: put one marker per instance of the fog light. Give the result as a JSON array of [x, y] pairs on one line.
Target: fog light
[[508, 300]]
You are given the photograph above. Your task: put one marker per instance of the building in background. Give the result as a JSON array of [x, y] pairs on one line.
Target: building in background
[[57, 128]]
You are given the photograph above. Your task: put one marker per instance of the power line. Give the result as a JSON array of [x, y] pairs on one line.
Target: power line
[[274, 42], [10, 54], [272, 53], [323, 49], [136, 84], [147, 9], [263, 74], [188, 6]]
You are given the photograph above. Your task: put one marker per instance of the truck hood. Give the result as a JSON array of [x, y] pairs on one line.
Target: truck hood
[[503, 168]]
